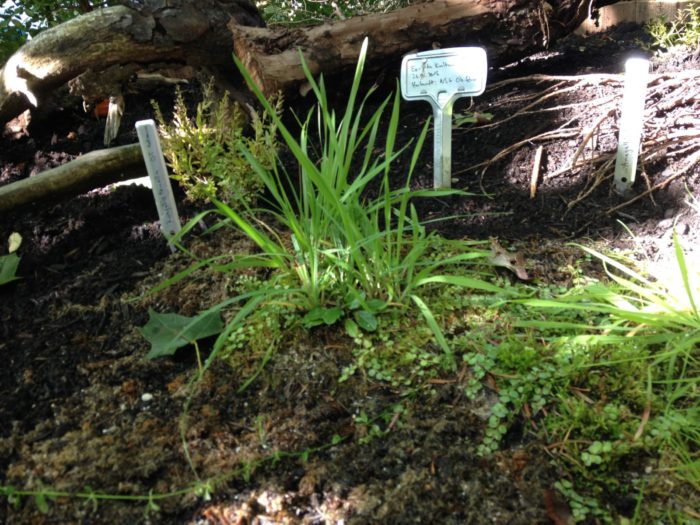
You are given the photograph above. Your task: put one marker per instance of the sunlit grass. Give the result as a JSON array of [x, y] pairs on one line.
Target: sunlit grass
[[635, 342], [605, 374]]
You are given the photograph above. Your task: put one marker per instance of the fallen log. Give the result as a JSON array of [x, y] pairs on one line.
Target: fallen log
[[89, 171], [507, 29], [120, 40], [99, 52]]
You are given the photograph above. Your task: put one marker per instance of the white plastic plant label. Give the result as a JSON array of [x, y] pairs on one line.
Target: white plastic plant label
[[160, 182], [440, 77], [443, 74], [631, 123]]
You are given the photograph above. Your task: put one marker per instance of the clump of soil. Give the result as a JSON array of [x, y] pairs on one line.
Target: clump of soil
[[82, 408]]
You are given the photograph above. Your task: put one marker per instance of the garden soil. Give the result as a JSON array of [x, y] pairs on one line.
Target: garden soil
[[82, 411]]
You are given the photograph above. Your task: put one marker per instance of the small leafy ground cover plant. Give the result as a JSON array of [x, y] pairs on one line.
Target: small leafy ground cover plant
[[203, 150], [684, 30], [629, 353]]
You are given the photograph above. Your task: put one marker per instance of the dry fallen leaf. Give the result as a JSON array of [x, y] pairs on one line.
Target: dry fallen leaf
[[514, 261], [14, 242], [557, 509]]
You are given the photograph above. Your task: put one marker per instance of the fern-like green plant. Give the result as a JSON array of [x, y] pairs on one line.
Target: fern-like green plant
[[203, 151]]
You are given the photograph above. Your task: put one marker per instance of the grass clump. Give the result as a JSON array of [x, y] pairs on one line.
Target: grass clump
[[631, 393], [332, 253], [341, 256], [203, 151]]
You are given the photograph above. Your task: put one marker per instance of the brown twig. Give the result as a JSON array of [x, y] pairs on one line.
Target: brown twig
[[643, 422], [535, 172], [598, 178], [594, 78], [548, 135]]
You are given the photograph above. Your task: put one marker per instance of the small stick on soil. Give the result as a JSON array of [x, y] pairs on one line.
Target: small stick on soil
[[603, 157], [535, 171], [594, 78], [642, 424], [602, 101], [565, 133], [549, 93]]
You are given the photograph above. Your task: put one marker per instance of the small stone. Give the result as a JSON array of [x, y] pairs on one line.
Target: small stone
[[665, 224], [146, 397]]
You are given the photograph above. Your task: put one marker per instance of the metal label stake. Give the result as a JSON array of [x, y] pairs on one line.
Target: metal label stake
[[160, 182], [441, 77]]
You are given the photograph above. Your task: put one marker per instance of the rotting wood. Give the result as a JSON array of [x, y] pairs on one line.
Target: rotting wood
[[89, 171]]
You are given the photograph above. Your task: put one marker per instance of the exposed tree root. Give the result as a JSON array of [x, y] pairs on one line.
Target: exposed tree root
[[671, 127]]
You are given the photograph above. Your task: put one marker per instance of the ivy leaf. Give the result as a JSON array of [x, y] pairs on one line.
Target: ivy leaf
[[168, 332]]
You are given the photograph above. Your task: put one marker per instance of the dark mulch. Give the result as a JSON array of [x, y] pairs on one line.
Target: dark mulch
[[80, 406]]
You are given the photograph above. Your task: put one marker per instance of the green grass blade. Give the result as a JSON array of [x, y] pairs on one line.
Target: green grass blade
[[432, 323], [680, 257], [464, 282], [263, 241]]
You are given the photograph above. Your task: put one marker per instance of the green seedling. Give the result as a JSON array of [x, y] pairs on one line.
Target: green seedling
[[168, 332], [202, 150], [358, 314], [10, 262]]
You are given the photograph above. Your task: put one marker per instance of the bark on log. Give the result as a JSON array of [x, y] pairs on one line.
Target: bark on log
[[508, 29], [99, 50], [92, 170], [105, 46], [171, 33]]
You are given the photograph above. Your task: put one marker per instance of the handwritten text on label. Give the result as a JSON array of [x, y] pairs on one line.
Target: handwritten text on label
[[429, 74]]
